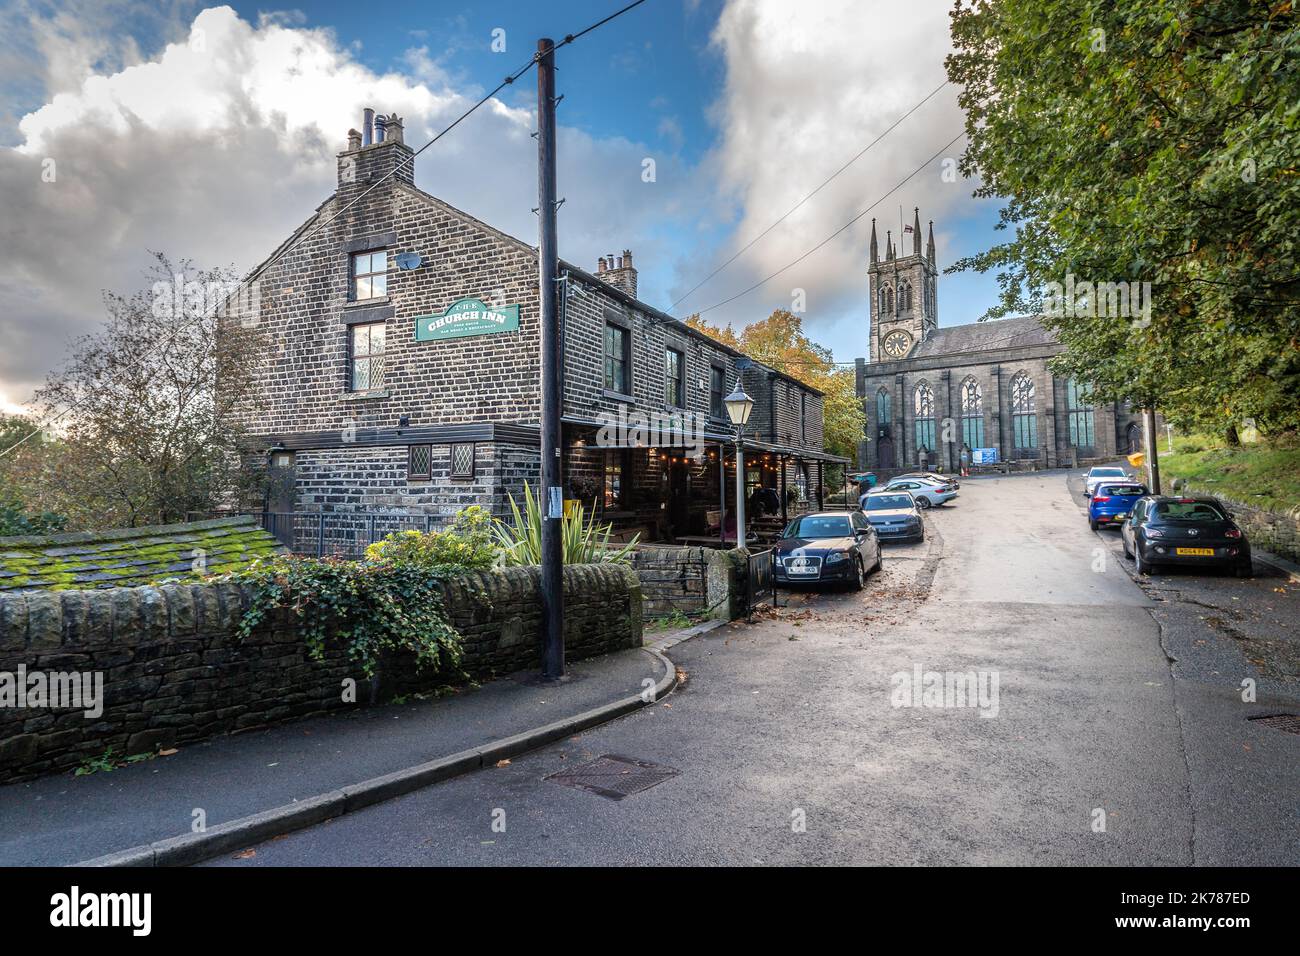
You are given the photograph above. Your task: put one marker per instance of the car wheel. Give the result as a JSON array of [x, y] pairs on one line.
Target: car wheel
[[1245, 571], [880, 558], [1094, 525], [1124, 541], [860, 578], [1142, 567], [923, 503]]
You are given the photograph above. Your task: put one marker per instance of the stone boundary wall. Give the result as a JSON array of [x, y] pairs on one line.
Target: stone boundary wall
[[175, 671], [1273, 531], [694, 581]]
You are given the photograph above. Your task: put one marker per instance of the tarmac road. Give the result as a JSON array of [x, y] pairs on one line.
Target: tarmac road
[[789, 748]]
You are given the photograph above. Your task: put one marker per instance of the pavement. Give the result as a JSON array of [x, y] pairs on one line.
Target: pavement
[[66, 819], [785, 741]]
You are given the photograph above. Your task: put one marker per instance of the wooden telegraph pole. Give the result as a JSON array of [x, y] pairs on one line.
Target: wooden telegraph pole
[[552, 493]]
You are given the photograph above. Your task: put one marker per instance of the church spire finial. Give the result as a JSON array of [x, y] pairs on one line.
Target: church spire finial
[[889, 245], [916, 231], [875, 249], [929, 245]]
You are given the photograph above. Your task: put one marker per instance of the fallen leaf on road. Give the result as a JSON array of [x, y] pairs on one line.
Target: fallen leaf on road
[[503, 763], [246, 855], [168, 752]]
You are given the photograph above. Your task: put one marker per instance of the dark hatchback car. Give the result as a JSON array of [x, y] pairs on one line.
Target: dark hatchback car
[[1111, 503], [829, 546], [1191, 532], [894, 515]]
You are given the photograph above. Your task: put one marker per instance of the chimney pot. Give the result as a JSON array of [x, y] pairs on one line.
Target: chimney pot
[[368, 127], [600, 265], [354, 140], [380, 122]]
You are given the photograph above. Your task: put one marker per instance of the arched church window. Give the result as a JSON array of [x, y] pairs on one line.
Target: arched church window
[[883, 410], [886, 299], [904, 296], [1078, 410], [972, 414], [923, 407], [1024, 414]]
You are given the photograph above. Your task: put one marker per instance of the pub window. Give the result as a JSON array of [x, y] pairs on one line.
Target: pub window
[[462, 460], [674, 383], [613, 497], [717, 391], [367, 356], [419, 462], [369, 275], [617, 359]]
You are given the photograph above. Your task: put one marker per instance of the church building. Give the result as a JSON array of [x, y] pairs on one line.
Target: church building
[[983, 391]]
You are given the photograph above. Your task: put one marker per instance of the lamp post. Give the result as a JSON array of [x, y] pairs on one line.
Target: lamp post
[[739, 405]]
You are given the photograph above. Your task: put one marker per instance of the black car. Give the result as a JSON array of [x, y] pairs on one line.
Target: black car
[[1195, 532], [825, 547], [894, 515]]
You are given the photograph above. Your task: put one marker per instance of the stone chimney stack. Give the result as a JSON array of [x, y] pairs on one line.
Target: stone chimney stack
[[372, 153], [621, 275]]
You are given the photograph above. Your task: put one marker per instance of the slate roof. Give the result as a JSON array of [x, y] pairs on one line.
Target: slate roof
[[130, 556], [985, 336]]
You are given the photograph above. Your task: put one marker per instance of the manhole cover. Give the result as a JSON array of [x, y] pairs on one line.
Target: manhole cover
[[615, 777], [1287, 722]]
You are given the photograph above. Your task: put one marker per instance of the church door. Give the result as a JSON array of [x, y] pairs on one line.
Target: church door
[[1133, 435], [885, 452]]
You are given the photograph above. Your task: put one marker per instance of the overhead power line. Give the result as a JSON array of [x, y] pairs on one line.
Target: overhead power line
[[819, 245], [824, 183], [294, 241]]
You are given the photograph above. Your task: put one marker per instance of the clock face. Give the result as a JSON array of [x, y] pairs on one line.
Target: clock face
[[897, 344]]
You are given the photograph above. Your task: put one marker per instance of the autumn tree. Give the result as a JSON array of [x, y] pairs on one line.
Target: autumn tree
[[144, 406], [1146, 141], [780, 343]]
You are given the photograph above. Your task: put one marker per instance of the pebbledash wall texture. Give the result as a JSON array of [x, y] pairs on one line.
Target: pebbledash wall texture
[[338, 439], [175, 670]]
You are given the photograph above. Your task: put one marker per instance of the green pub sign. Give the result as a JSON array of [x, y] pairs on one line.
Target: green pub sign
[[467, 317]]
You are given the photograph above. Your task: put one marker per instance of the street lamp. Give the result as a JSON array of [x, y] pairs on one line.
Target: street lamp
[[739, 405]]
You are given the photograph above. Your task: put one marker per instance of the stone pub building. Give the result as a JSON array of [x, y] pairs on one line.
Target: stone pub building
[[401, 380]]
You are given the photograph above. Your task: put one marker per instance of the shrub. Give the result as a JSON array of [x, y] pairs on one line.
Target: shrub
[[466, 544], [582, 541], [369, 607]]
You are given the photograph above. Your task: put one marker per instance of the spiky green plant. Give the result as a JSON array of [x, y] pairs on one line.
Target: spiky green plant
[[582, 541]]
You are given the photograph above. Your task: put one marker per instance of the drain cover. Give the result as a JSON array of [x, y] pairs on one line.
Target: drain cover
[[1287, 722], [615, 777]]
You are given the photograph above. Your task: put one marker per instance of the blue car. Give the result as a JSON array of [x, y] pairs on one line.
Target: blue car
[[1111, 503]]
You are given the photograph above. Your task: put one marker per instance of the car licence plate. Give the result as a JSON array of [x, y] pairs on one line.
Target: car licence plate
[[798, 567], [1195, 552]]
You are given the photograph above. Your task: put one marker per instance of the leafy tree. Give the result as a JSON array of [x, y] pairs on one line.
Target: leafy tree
[[780, 342], [25, 475], [145, 433], [1147, 141]]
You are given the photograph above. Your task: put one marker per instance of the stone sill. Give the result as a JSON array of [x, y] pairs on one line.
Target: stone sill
[[366, 303], [363, 396]]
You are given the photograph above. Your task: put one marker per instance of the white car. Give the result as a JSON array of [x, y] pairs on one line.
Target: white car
[[1095, 476], [926, 492]]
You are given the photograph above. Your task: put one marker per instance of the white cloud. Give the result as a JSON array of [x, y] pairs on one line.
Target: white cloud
[[220, 145], [809, 85]]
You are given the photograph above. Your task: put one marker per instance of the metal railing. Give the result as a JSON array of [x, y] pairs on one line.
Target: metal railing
[[340, 534], [760, 581]]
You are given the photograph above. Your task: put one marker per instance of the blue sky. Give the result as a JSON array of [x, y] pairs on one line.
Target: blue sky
[[743, 105]]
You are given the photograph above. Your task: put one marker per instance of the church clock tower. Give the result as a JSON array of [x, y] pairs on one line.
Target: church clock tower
[[904, 306]]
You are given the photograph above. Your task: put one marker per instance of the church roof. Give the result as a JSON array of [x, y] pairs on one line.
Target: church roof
[[985, 336]]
